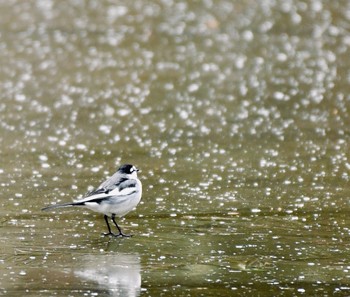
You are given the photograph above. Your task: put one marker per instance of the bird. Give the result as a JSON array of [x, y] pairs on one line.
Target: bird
[[115, 197]]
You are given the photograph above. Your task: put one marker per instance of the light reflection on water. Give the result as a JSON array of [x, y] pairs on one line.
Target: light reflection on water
[[237, 115], [119, 273], [211, 252]]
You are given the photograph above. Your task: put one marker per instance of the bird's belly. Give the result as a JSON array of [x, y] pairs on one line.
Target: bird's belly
[[119, 206]]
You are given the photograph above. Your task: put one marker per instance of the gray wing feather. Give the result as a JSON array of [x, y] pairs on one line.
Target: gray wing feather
[[128, 183], [112, 182], [108, 185]]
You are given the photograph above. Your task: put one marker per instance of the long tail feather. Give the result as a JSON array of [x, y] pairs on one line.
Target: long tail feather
[[58, 206]]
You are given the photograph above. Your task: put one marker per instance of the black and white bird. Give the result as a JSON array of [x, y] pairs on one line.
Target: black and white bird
[[115, 197]]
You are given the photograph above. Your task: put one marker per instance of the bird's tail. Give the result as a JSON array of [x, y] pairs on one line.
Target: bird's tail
[[58, 206]]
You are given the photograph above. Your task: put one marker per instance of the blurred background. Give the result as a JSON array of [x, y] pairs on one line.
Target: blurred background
[[237, 114]]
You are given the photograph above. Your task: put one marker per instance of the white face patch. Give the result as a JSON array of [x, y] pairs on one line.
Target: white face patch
[[133, 171]]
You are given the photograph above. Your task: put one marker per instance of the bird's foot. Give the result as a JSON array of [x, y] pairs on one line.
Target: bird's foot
[[108, 234], [117, 235], [122, 235]]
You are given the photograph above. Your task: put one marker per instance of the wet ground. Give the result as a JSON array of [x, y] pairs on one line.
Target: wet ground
[[237, 114]]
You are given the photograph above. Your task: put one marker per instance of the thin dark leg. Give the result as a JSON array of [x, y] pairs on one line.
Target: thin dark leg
[[120, 230], [109, 228]]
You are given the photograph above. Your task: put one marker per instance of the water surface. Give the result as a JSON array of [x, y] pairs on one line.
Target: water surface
[[237, 113]]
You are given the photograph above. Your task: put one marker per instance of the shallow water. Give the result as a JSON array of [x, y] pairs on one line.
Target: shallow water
[[237, 114]]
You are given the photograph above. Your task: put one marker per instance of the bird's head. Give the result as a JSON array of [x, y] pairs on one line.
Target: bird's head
[[129, 170]]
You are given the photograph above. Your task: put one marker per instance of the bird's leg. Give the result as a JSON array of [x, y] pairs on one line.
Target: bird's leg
[[109, 228], [120, 230]]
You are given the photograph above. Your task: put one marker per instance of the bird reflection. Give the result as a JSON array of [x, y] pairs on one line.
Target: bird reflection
[[119, 273]]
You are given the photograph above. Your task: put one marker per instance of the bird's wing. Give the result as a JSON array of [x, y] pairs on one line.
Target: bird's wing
[[118, 193], [96, 191], [109, 185], [113, 181], [125, 188]]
